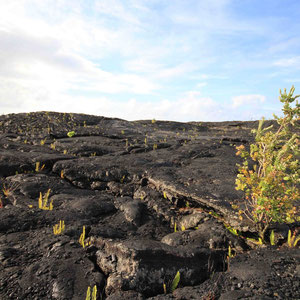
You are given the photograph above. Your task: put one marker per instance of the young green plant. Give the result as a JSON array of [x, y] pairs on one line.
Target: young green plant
[[292, 239], [173, 285], [38, 167], [175, 282], [229, 256], [71, 133], [59, 228], [82, 238], [272, 238], [94, 293], [43, 201], [231, 230]]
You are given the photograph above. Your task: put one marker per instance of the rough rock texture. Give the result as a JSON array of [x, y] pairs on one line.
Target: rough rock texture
[[152, 197]]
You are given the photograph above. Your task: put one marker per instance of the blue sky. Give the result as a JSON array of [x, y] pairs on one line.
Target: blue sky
[[187, 60]]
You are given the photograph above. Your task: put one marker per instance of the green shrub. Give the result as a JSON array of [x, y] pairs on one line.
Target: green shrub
[[271, 186]]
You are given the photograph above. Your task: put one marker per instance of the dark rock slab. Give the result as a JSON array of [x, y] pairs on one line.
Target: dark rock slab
[[144, 265]]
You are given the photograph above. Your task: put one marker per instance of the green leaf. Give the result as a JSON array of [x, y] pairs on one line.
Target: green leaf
[[290, 238], [71, 133], [175, 282], [272, 238], [88, 294], [296, 241], [94, 295]]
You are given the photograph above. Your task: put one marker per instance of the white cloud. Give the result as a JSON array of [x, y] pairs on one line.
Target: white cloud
[[178, 70], [142, 65], [116, 9], [209, 77], [201, 84], [283, 46], [292, 80], [288, 62], [214, 16], [186, 108], [245, 100], [158, 71]]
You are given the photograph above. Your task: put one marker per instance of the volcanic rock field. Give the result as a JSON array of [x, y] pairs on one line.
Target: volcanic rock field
[[140, 201]]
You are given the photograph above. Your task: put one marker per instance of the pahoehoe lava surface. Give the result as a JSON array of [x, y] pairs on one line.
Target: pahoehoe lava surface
[[130, 185]]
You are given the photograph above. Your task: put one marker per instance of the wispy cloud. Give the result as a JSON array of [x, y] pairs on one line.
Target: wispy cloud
[[288, 62], [117, 9], [248, 100], [209, 15], [295, 80], [201, 84]]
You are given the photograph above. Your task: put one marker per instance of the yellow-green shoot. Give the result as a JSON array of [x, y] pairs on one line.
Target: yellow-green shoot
[[43, 201], [292, 239], [59, 228], [82, 238], [175, 282], [94, 293]]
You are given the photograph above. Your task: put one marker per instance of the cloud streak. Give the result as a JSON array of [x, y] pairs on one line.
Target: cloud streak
[[288, 62], [248, 100]]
